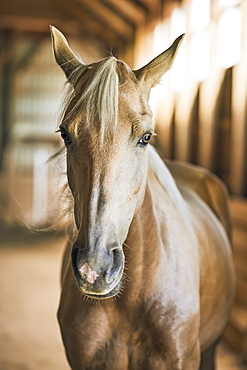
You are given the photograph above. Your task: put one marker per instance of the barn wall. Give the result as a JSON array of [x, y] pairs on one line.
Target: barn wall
[[200, 106], [31, 95]]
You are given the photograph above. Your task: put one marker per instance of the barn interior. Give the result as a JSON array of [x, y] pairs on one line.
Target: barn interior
[[200, 117]]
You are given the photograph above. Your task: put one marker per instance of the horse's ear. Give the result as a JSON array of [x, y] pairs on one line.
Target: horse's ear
[[152, 72], [64, 56]]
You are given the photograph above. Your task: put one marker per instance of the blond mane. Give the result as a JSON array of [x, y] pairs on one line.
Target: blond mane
[[94, 90]]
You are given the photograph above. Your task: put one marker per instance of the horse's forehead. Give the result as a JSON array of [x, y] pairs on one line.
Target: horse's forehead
[[132, 96]]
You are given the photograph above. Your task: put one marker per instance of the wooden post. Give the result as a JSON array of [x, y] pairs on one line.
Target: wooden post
[[238, 164], [6, 77], [184, 108], [207, 112]]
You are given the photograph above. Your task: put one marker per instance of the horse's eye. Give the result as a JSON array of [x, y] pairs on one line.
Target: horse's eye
[[144, 140], [65, 136]]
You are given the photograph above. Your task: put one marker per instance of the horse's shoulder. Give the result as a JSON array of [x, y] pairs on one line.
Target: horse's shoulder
[[206, 185]]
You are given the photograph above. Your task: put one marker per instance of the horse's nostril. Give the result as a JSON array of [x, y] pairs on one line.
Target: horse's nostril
[[74, 254], [97, 272], [116, 266], [116, 257]]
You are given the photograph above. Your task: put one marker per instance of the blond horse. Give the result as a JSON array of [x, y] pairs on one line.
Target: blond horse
[[151, 253]]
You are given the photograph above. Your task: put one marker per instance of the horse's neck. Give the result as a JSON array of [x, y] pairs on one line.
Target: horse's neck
[[148, 247], [163, 176]]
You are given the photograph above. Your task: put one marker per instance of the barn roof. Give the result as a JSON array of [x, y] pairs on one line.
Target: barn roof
[[111, 22]]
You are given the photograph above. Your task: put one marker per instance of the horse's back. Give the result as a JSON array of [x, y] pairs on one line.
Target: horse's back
[[206, 185]]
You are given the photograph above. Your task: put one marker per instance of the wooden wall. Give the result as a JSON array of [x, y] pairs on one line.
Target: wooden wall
[[29, 185], [202, 115], [236, 332]]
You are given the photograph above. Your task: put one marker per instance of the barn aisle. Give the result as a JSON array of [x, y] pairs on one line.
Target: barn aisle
[[29, 288]]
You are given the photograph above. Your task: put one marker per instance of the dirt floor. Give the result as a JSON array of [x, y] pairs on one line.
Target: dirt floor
[[29, 291]]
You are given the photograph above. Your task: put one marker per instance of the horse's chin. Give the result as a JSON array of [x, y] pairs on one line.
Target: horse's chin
[[100, 297], [113, 292]]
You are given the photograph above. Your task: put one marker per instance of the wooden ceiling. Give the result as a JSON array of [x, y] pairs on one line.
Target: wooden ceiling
[[111, 22]]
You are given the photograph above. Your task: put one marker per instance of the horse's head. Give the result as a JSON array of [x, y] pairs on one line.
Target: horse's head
[[106, 127]]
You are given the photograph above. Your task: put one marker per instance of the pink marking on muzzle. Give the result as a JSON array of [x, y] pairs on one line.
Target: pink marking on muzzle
[[90, 274]]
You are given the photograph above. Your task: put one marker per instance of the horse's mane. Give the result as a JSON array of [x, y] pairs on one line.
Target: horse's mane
[[93, 88]]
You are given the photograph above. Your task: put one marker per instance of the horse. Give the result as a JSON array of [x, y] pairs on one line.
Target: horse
[[148, 277]]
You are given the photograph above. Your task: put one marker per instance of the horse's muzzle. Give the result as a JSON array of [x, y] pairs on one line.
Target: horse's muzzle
[[98, 276]]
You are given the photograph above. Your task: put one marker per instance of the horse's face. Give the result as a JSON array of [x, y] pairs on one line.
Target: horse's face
[[106, 167], [107, 178]]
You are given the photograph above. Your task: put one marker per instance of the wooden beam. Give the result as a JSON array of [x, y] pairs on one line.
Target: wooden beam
[[238, 130], [29, 16], [20, 23], [152, 3], [88, 24], [238, 163], [154, 7], [129, 10], [209, 93], [30, 8], [109, 19], [7, 77], [37, 26], [7, 53], [183, 112], [8, 49]]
